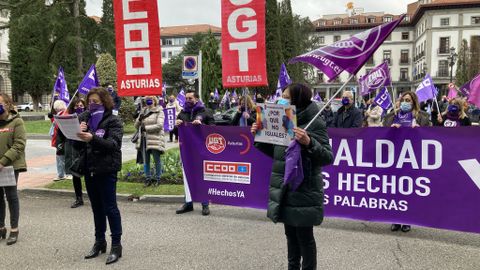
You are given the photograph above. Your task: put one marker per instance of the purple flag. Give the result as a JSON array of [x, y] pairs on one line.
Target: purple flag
[[181, 97], [169, 122], [225, 97], [472, 90], [293, 166], [89, 81], [255, 96], [317, 97], [426, 90], [452, 92], [61, 86], [378, 77], [349, 54], [216, 95], [383, 99], [283, 80]]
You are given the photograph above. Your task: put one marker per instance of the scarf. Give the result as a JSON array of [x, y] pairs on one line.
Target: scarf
[[404, 119]]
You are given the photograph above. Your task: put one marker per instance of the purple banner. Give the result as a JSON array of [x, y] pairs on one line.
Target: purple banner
[[89, 81], [169, 122], [377, 78], [349, 54], [420, 176], [221, 165]]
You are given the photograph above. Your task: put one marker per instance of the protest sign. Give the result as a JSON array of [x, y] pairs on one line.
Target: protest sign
[[275, 123], [169, 122]]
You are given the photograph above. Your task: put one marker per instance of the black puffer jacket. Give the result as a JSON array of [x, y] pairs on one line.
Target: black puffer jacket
[[303, 207], [103, 154], [204, 114], [351, 119]]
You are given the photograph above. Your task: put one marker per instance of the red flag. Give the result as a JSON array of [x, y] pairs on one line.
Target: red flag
[[139, 61], [243, 43]]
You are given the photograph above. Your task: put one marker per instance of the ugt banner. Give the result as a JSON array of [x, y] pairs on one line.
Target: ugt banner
[[139, 61], [222, 166], [243, 43], [423, 176]]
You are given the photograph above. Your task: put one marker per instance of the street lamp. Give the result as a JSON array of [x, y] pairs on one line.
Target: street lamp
[[452, 58]]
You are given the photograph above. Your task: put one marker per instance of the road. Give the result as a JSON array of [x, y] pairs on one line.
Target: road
[[42, 165], [53, 236]]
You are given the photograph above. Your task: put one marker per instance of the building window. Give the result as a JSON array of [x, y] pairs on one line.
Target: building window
[[406, 18], [475, 19], [371, 19], [404, 57], [170, 54], [404, 74], [353, 21], [387, 19], [405, 36], [321, 39], [337, 22], [442, 68], [444, 45], [336, 38], [167, 41], [164, 54], [387, 56], [444, 21], [321, 77]]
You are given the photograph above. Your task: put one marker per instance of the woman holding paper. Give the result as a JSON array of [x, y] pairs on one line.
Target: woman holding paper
[[150, 122], [100, 159], [302, 208], [12, 154], [408, 114]]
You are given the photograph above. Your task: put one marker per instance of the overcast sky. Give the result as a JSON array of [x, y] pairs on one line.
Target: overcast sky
[[182, 12]]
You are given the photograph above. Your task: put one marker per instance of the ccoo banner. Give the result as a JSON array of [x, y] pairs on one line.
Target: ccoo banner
[[243, 43], [139, 62], [423, 176]]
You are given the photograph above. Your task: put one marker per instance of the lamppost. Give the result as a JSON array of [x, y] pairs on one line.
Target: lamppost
[[452, 58]]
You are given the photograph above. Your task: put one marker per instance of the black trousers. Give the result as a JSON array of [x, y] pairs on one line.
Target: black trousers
[[174, 132], [13, 205], [101, 191], [301, 246], [77, 186]]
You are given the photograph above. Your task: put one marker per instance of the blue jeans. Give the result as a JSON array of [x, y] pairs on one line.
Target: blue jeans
[[158, 164], [61, 166], [101, 190]]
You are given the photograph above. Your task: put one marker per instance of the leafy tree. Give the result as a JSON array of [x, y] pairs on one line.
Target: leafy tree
[[106, 69], [211, 66], [106, 38], [274, 45], [461, 76]]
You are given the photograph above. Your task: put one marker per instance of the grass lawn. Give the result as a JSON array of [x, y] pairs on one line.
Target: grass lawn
[[135, 189], [43, 127], [38, 127]]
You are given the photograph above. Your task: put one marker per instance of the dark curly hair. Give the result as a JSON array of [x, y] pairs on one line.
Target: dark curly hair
[[74, 102], [104, 97]]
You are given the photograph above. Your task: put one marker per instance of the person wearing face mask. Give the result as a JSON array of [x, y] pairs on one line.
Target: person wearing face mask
[[77, 106], [455, 115], [117, 101], [58, 141], [374, 114], [150, 122], [12, 153], [173, 103], [99, 159], [243, 113], [348, 116], [194, 113], [300, 209], [406, 114], [328, 116]]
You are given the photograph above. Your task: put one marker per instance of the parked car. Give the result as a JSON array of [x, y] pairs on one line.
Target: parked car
[[28, 107], [224, 118]]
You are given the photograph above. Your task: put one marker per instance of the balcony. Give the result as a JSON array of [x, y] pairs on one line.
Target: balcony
[[388, 60], [404, 61], [443, 74], [404, 79], [443, 51]]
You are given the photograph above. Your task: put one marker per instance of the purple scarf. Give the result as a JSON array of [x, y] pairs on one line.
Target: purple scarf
[[197, 107], [96, 115], [404, 119]]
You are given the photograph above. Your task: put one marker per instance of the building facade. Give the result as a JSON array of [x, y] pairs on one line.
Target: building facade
[[5, 83], [420, 45]]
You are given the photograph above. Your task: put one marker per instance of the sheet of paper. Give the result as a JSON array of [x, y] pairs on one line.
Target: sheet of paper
[[69, 126], [7, 177]]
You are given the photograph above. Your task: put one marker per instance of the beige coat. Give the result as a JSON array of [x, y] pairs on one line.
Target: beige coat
[[374, 116], [153, 129]]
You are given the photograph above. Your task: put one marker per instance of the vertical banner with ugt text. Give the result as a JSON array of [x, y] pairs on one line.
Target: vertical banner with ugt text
[[139, 62], [243, 43]]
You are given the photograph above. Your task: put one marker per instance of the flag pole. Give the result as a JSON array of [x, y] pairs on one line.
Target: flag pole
[[72, 98], [329, 101]]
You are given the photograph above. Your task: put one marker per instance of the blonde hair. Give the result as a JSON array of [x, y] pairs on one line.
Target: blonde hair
[[154, 98], [460, 102], [59, 105], [250, 104]]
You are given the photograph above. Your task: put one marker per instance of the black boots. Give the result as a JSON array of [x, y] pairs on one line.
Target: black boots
[[78, 202], [12, 238], [3, 233], [186, 207], [115, 254], [404, 228], [205, 210], [98, 247]]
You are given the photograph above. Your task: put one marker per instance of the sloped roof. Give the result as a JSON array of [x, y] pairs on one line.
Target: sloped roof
[[189, 30]]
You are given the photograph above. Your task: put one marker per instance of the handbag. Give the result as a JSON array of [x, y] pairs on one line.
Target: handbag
[[135, 136]]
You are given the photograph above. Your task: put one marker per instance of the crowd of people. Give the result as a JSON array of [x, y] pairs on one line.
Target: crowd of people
[[97, 157]]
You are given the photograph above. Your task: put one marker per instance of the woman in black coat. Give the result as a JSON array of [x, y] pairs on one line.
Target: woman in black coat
[[99, 159], [301, 209], [248, 112]]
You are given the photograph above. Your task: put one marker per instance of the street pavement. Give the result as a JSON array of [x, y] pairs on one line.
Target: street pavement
[[41, 161], [53, 236]]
